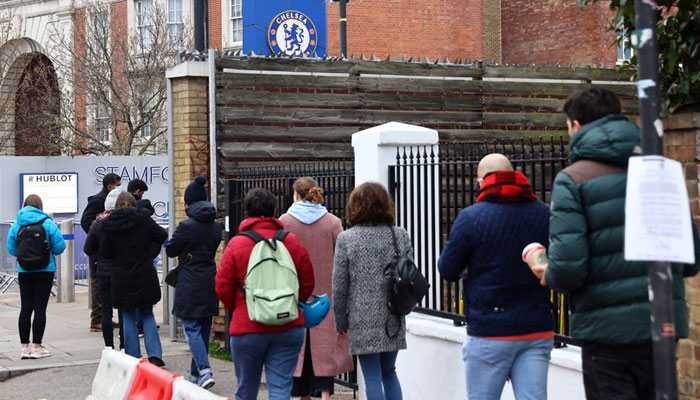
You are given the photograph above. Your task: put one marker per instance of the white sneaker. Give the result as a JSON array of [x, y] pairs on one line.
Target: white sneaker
[[26, 353], [39, 352]]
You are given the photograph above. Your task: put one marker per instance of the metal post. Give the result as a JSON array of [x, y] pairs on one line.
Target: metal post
[[659, 273], [65, 268], [343, 34], [170, 293]]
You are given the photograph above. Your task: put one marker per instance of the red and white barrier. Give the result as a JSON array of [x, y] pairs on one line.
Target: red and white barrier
[[122, 377], [114, 376], [152, 383]]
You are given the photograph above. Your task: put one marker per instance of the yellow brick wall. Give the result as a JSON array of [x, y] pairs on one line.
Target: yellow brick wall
[[191, 147]]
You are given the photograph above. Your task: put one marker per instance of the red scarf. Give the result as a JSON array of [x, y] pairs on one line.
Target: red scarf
[[505, 187]]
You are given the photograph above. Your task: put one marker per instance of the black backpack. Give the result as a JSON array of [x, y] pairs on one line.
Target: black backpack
[[407, 286], [33, 249]]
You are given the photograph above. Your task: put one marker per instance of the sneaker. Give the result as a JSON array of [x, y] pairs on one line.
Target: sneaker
[[205, 381], [39, 352], [157, 361], [26, 353], [192, 379]]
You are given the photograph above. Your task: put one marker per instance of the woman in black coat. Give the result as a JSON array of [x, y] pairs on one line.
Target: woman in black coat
[[128, 237], [194, 242]]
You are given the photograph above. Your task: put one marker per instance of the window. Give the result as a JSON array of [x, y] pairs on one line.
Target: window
[[144, 23], [236, 23], [102, 123], [147, 131], [624, 48], [100, 34], [175, 23]]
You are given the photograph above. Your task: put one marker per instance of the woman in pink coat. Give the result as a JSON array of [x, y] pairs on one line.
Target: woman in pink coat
[[325, 354]]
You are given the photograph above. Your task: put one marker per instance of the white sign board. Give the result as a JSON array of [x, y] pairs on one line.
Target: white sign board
[[58, 191], [657, 213]]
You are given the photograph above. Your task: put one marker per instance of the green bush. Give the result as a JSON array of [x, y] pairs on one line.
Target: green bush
[[678, 33]]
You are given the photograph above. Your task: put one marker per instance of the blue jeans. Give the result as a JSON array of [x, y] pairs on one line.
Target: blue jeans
[[197, 335], [132, 346], [490, 362], [381, 382], [278, 352]]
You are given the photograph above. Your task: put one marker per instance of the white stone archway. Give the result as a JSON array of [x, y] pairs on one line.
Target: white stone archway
[[15, 56]]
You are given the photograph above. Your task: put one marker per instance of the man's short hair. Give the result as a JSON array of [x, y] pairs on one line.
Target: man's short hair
[[260, 202], [136, 184], [110, 179], [588, 105]]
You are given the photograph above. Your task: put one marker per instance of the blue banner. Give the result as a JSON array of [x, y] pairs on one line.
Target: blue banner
[[288, 27]]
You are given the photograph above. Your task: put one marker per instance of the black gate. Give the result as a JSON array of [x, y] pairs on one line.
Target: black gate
[[336, 178], [430, 190]]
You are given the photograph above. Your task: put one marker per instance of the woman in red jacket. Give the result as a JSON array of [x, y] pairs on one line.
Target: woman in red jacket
[[253, 344]]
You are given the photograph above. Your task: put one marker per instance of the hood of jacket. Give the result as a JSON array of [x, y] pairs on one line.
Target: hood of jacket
[[611, 139], [202, 211], [260, 222], [307, 212], [125, 219], [30, 215]]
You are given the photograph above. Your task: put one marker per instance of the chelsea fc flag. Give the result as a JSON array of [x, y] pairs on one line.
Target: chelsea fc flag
[[286, 27]]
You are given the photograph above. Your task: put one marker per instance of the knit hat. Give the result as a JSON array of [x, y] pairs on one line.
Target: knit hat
[[195, 191], [111, 200]]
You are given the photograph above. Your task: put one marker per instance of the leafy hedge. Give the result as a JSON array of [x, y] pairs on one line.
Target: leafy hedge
[[678, 35]]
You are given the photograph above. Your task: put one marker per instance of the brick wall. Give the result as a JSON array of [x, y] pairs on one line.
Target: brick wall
[[432, 28], [120, 55], [215, 38], [191, 131], [557, 30], [80, 118], [680, 143], [191, 147], [492, 30]]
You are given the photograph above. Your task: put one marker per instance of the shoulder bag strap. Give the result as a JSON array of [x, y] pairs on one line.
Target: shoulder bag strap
[[397, 252]]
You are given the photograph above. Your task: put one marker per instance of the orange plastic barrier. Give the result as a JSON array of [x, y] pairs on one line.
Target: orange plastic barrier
[[151, 383]]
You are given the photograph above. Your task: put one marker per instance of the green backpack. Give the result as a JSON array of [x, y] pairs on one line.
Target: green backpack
[[271, 285]]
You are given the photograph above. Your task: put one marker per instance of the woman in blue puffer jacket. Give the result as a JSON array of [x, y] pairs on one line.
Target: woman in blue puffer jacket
[[35, 284]]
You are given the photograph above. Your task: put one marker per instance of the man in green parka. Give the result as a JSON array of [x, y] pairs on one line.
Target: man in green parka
[[610, 311]]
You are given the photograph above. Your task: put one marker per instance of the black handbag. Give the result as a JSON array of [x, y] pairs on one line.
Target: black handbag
[[171, 278], [407, 286]]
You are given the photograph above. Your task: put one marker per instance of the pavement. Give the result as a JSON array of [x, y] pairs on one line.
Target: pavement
[[69, 372]]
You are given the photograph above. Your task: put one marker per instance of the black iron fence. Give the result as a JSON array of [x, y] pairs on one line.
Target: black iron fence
[[432, 184], [337, 178]]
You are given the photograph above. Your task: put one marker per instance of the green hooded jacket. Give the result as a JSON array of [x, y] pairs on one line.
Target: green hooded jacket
[[609, 296]]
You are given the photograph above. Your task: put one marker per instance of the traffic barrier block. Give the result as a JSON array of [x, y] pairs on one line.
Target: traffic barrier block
[[114, 376], [151, 383], [184, 390]]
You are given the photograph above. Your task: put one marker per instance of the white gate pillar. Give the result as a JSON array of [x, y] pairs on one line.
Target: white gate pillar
[[375, 148]]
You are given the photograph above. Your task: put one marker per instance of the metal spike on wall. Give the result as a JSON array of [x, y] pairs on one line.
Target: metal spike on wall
[[410, 60], [388, 58], [374, 58], [426, 60], [446, 61], [403, 58]]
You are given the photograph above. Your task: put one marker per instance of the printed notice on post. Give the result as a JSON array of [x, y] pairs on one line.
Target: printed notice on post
[[657, 212]]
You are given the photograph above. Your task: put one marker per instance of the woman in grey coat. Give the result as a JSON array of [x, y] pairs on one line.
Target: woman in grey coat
[[360, 291]]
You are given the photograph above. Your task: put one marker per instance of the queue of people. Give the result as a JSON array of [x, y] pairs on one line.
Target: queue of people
[[274, 265]]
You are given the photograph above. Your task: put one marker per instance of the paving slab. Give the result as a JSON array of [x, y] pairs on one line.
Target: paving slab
[[67, 335]]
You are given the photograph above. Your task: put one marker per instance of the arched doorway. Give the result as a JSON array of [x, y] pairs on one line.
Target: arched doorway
[[37, 108]]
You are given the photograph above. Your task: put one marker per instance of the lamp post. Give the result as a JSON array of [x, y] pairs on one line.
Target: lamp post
[[343, 34], [659, 273]]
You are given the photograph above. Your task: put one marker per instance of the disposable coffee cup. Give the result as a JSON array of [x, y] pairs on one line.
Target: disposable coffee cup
[[534, 254]]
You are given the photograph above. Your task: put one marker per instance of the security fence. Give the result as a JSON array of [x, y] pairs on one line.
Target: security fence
[[432, 184]]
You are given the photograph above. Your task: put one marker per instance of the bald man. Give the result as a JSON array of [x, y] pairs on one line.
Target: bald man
[[509, 323]]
